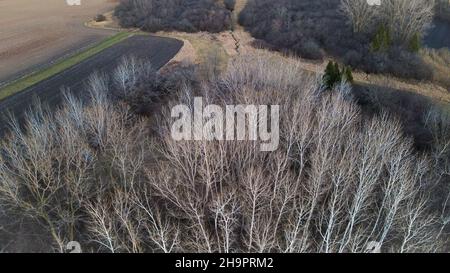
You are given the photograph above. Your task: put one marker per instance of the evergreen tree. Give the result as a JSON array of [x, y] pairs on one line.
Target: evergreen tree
[[330, 75], [382, 40], [334, 75], [348, 74], [415, 43]]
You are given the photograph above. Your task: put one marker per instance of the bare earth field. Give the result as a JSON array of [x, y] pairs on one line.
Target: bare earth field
[[35, 33], [157, 50]]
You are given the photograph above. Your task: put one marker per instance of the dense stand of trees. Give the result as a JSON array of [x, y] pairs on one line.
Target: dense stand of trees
[[182, 15], [443, 9], [111, 177], [350, 30]]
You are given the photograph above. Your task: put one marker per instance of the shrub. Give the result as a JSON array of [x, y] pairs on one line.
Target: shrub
[[230, 4], [347, 74], [382, 40], [334, 75], [99, 18], [439, 60], [410, 109], [310, 50], [415, 43]]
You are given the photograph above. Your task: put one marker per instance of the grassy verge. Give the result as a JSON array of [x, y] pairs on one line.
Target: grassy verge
[[62, 65], [204, 46], [439, 60]]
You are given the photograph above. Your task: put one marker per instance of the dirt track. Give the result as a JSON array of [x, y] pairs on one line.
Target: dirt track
[[157, 50], [34, 33]]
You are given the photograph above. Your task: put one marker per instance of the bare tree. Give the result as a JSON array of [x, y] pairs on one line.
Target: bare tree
[[407, 18], [338, 182], [360, 14]]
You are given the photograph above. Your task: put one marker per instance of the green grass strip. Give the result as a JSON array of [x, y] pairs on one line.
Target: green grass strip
[[38, 76]]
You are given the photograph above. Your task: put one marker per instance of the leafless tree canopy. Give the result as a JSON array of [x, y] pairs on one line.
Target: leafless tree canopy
[[405, 18], [344, 29], [408, 17], [338, 182], [359, 13], [182, 15]]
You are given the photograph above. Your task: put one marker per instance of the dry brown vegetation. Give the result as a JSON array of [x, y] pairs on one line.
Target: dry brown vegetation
[[440, 61], [101, 174]]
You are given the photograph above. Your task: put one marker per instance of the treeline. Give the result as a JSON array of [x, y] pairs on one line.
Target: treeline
[[181, 15], [443, 9], [381, 39]]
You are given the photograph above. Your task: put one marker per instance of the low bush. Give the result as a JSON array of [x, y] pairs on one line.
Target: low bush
[[334, 75], [99, 18], [230, 4]]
